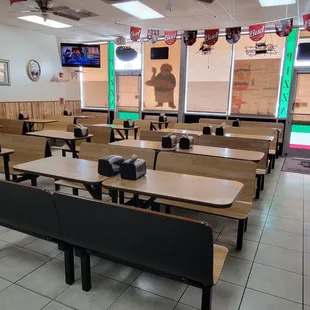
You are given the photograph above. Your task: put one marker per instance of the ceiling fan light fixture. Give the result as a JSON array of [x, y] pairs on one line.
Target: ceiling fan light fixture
[[40, 20]]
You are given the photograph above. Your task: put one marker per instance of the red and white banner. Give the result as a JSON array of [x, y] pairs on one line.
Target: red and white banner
[[14, 1], [135, 33], [284, 27], [306, 18], [170, 37], [257, 32], [211, 36]]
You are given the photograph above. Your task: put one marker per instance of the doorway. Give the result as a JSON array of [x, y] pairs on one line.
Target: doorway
[[297, 136], [128, 96]]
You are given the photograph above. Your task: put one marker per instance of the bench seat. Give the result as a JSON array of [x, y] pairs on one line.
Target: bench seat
[[220, 254]]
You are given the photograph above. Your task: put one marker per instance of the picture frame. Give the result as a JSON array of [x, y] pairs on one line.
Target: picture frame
[[5, 79]]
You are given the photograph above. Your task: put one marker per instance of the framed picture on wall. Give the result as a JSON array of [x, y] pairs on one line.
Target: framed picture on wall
[[5, 72]]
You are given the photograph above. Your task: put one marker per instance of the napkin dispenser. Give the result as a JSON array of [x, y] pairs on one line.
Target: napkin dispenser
[[110, 165], [133, 168], [163, 118], [129, 123], [23, 116], [186, 142], [236, 123], [220, 131], [169, 141], [80, 131], [67, 113], [207, 130]]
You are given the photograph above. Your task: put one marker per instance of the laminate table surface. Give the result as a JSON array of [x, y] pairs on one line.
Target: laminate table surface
[[144, 144]]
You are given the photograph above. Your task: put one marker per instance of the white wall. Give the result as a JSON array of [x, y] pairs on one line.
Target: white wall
[[19, 46]]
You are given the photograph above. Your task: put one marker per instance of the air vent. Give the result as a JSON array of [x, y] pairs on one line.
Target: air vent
[[76, 14]]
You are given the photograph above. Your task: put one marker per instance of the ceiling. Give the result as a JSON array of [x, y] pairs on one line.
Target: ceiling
[[185, 14]]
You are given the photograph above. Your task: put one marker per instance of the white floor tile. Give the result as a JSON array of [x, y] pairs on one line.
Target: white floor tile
[[287, 212], [253, 232], [287, 202], [54, 305], [17, 238], [4, 284], [94, 260], [307, 216], [6, 248], [3, 229], [183, 307], [307, 290], [307, 264], [283, 224], [307, 244], [43, 247], [307, 229]]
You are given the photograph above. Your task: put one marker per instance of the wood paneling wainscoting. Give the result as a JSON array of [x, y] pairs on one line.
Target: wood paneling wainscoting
[[38, 109]]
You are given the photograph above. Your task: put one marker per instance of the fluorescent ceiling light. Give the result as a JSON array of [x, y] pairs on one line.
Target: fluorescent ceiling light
[[265, 3], [138, 10], [95, 42], [40, 20]]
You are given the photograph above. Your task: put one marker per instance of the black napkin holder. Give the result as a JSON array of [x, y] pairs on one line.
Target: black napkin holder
[[163, 119], [23, 116], [236, 123], [67, 113], [219, 131], [129, 123], [169, 141], [207, 130], [110, 165], [186, 142], [133, 169], [80, 132]]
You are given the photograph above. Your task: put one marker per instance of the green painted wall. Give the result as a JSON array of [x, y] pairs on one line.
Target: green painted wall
[[125, 115], [111, 76]]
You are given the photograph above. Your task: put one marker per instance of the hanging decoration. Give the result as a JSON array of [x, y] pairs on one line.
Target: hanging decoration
[[211, 36], [261, 48], [257, 32], [170, 37], [152, 35], [135, 33], [284, 27], [189, 37], [233, 35], [306, 19], [14, 1]]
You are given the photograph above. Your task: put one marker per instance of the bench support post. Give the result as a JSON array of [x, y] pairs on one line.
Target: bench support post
[[240, 234], [33, 181], [258, 186], [86, 273], [206, 302], [263, 182], [69, 264]]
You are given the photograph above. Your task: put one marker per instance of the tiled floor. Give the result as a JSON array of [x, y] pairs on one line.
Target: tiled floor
[[271, 273]]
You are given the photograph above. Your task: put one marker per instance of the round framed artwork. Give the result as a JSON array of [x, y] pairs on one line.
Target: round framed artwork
[[33, 70]]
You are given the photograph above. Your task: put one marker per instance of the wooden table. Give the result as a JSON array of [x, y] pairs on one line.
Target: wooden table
[[76, 117], [159, 124], [182, 131], [120, 128], [245, 136], [66, 136], [74, 170], [178, 187], [31, 122], [144, 144], [224, 153], [5, 153]]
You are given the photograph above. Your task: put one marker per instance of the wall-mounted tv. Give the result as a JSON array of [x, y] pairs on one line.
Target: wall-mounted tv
[[303, 53], [160, 53], [79, 55]]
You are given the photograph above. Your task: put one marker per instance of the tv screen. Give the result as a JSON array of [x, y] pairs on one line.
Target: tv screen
[[79, 55], [160, 53], [303, 53]]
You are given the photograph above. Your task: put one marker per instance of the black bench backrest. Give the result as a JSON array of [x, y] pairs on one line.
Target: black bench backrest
[[28, 209], [171, 246]]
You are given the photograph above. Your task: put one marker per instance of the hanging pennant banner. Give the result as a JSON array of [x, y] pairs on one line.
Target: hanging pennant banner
[[306, 18], [257, 32], [190, 37], [284, 27], [233, 35], [152, 35], [14, 1], [211, 36], [170, 37], [135, 33]]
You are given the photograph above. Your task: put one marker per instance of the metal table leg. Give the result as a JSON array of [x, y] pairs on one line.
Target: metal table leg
[[6, 160]]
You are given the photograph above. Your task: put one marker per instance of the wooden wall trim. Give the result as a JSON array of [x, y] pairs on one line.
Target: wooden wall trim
[[38, 109]]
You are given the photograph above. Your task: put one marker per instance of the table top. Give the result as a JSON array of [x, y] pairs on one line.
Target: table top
[[224, 153], [159, 123], [182, 131], [180, 187], [40, 121], [57, 134], [83, 116], [116, 127], [246, 136], [4, 151], [144, 144], [64, 168]]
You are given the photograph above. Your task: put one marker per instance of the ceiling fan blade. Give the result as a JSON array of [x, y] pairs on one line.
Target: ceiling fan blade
[[66, 16], [59, 8]]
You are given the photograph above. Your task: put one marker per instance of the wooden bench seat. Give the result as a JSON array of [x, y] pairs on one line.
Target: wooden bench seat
[[61, 124], [220, 254], [142, 123], [151, 135], [11, 126]]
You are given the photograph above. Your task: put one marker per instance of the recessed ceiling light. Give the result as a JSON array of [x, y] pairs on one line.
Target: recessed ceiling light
[[40, 20], [138, 10], [265, 3]]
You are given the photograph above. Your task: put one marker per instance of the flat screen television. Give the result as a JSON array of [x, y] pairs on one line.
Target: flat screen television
[[303, 53], [159, 52], [79, 55]]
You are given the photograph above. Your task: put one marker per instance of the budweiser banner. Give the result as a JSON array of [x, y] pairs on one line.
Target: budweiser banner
[[284, 27], [307, 21], [152, 35], [211, 36], [190, 37], [170, 37], [257, 32], [135, 33], [233, 35], [14, 1]]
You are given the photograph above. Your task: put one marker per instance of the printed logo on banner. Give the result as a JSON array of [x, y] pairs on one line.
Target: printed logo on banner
[[211, 36], [170, 37], [284, 27], [306, 18], [190, 37], [14, 1], [152, 35], [233, 35], [135, 33], [257, 32]]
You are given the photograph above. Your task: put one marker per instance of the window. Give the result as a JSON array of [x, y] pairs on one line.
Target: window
[[208, 78], [257, 75]]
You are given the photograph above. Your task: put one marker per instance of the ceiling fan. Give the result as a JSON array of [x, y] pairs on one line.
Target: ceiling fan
[[45, 7]]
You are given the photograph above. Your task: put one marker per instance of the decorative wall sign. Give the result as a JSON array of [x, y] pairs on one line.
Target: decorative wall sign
[[306, 19], [257, 32], [190, 37], [284, 27], [59, 79], [233, 35], [261, 48], [211, 36], [33, 70], [135, 33], [152, 35], [170, 37], [5, 72]]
